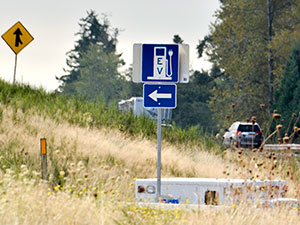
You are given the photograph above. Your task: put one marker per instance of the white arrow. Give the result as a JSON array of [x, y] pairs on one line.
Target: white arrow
[[154, 95]]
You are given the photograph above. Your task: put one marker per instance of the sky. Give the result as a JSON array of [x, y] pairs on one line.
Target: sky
[[53, 24]]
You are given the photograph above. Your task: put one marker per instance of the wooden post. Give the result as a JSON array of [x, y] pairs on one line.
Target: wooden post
[[44, 158]]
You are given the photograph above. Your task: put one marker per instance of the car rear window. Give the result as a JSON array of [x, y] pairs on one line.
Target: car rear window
[[248, 128]]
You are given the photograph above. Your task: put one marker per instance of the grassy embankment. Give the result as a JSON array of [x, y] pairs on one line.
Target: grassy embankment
[[95, 154]]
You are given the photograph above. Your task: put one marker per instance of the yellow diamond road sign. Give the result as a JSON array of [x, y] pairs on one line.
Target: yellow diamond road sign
[[17, 37]]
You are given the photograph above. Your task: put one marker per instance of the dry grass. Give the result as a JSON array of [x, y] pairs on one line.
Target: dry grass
[[92, 176], [247, 215], [138, 154], [27, 204]]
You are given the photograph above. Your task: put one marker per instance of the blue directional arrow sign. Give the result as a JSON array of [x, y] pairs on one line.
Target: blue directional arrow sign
[[160, 63], [160, 95]]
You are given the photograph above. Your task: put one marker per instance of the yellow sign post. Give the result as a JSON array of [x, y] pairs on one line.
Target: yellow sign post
[[17, 38]]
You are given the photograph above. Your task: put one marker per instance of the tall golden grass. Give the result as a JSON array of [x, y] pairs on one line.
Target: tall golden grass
[[92, 173]]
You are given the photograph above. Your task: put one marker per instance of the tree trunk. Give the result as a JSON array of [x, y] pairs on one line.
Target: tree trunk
[[270, 54]]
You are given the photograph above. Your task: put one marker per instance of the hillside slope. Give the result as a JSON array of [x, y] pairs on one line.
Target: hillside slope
[[92, 169]]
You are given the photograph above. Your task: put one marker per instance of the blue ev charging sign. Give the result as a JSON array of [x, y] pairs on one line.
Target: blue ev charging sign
[[160, 63], [160, 95]]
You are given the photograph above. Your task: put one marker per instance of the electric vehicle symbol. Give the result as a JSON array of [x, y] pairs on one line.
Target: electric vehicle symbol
[[162, 67]]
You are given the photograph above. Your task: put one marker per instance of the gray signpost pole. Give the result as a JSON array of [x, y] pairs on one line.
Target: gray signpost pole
[[15, 69], [158, 154]]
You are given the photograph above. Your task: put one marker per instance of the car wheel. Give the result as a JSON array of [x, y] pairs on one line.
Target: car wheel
[[257, 146]]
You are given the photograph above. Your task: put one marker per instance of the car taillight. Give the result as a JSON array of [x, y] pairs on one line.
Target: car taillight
[[258, 132], [238, 132]]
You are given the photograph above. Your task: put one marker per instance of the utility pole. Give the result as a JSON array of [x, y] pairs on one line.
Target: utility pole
[[270, 53]]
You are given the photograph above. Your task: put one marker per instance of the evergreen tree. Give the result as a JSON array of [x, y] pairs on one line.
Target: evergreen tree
[[93, 63], [288, 95], [177, 39], [192, 102], [203, 44], [92, 32], [99, 77], [133, 89]]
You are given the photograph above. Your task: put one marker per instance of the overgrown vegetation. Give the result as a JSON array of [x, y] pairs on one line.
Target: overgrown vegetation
[[249, 42], [95, 114], [94, 156], [95, 153], [259, 34], [92, 74]]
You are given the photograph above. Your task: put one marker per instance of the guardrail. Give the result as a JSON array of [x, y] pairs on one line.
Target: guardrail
[[283, 148]]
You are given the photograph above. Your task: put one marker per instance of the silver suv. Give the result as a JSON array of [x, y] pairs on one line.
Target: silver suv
[[243, 134]]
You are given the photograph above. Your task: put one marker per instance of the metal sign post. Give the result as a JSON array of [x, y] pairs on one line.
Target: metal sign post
[[158, 193], [160, 66], [15, 69]]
